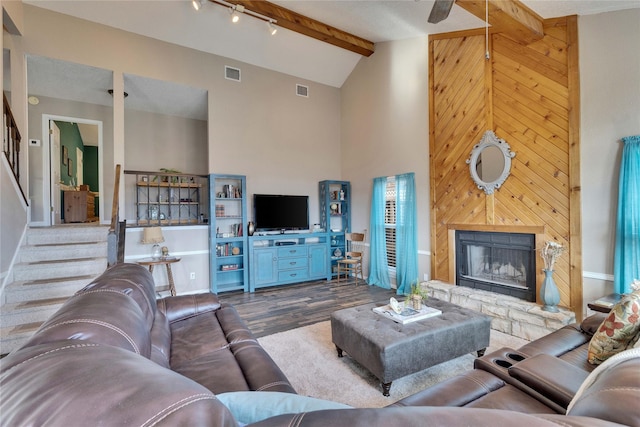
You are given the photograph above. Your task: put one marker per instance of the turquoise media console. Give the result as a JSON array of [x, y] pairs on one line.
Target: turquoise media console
[[280, 259]]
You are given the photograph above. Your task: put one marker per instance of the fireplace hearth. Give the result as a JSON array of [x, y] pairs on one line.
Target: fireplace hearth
[[497, 262]]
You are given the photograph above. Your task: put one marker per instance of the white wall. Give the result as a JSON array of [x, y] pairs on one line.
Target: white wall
[[385, 129], [258, 127], [610, 110]]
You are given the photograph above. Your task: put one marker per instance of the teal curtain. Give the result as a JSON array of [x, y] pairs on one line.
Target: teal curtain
[[378, 270], [626, 265], [406, 233]]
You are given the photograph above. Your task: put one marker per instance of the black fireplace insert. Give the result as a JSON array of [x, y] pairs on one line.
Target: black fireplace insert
[[497, 262]]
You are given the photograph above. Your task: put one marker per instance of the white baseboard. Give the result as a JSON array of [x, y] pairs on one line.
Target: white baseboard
[[597, 276]]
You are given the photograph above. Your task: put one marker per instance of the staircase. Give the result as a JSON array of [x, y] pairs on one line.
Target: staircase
[[51, 266]]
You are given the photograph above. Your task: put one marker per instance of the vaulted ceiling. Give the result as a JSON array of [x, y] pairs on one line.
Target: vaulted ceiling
[[360, 22], [290, 52]]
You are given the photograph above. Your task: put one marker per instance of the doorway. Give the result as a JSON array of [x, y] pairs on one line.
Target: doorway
[[73, 153]]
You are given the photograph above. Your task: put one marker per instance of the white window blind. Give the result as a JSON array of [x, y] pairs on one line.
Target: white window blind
[[390, 221]]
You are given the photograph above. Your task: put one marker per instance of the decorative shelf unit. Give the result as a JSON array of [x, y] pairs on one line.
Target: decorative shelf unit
[[166, 199], [281, 259], [228, 264], [335, 218]]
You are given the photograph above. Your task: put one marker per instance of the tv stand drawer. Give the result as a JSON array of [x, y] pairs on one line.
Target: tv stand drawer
[[288, 263], [292, 251], [299, 274]]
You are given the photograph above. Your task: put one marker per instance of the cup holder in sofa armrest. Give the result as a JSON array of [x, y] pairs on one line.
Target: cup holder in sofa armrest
[[515, 356], [503, 363], [499, 361]]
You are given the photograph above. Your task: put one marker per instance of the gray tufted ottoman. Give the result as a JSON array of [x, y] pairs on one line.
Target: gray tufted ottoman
[[391, 350]]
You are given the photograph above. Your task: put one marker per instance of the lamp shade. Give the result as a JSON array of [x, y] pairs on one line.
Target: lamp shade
[[152, 235]]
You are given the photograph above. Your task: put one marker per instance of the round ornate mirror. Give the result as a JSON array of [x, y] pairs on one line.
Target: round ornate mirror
[[490, 162]]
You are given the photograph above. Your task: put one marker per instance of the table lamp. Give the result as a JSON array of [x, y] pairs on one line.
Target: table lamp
[[153, 235]]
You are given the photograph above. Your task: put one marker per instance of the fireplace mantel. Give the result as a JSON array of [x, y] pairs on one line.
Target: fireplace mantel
[[528, 229]]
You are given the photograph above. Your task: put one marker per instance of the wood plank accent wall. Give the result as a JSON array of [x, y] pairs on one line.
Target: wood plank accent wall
[[529, 96]]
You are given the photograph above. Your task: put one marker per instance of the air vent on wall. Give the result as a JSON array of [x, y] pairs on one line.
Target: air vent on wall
[[231, 73], [302, 90]]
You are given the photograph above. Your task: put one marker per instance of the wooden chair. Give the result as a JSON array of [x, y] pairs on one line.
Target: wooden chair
[[351, 264]]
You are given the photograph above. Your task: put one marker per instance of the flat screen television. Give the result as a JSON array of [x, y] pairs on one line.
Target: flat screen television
[[280, 212]]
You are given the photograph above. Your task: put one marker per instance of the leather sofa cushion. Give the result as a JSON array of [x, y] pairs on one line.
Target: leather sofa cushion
[[184, 306], [591, 324], [133, 280], [100, 316], [611, 391], [217, 350], [161, 340], [81, 383], [559, 342], [260, 371], [509, 398], [578, 357], [422, 416]]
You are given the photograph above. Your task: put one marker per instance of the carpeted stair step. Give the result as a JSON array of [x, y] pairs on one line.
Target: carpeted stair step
[[66, 234], [62, 287], [62, 251], [53, 264], [15, 314], [13, 337], [58, 269]]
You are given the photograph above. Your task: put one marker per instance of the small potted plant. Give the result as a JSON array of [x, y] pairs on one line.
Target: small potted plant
[[416, 296]]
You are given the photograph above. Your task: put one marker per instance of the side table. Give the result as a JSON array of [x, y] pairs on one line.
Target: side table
[[166, 261], [605, 303]]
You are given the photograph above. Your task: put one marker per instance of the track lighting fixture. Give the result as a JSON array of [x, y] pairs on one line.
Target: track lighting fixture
[[235, 12], [272, 28], [197, 4], [236, 9]]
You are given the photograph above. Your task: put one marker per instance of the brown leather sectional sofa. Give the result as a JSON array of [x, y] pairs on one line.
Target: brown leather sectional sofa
[[113, 355]]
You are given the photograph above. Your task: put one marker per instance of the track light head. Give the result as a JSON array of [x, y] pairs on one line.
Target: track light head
[[235, 11], [197, 4], [272, 28]]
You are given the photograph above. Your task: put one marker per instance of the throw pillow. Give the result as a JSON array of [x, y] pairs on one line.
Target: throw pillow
[[616, 331], [252, 406]]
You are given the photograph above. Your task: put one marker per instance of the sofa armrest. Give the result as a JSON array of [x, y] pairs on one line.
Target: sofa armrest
[[184, 306], [456, 391], [551, 377], [591, 324]]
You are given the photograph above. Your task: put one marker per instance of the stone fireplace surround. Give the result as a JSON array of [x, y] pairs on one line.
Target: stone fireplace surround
[[510, 315]]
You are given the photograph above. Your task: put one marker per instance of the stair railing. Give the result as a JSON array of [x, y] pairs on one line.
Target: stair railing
[[116, 235], [11, 142]]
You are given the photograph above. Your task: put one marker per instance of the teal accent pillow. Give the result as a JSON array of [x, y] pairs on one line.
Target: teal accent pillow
[[252, 406]]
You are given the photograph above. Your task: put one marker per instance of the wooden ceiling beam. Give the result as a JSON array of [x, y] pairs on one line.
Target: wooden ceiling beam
[[307, 26], [508, 16]]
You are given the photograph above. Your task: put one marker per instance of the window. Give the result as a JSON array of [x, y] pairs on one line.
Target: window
[[390, 221]]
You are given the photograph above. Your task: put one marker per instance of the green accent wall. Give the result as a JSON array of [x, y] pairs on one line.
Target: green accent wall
[[70, 139], [91, 167]]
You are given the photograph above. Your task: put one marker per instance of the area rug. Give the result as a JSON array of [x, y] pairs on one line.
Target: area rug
[[309, 359]]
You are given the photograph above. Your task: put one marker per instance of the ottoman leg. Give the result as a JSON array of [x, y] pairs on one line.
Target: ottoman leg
[[339, 351], [481, 352], [386, 388]]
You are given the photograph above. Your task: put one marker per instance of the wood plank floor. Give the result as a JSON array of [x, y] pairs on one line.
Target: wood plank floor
[[272, 310]]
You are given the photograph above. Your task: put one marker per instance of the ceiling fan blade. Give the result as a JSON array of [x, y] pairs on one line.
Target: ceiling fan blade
[[440, 11]]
